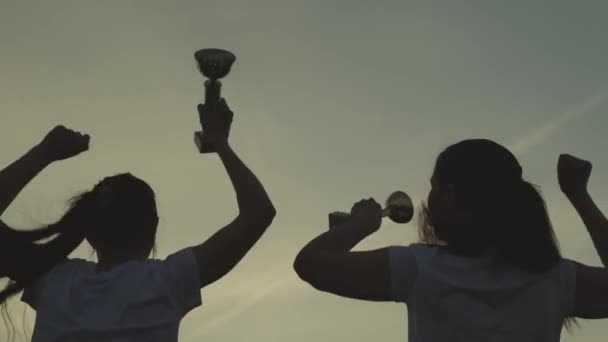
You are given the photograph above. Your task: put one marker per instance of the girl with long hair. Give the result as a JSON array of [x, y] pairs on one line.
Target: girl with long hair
[[488, 266], [125, 296]]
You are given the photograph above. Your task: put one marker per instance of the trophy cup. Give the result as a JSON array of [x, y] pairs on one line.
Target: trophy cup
[[398, 208], [213, 64]]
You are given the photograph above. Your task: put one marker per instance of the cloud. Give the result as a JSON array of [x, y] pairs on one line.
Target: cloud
[[543, 132], [258, 293]]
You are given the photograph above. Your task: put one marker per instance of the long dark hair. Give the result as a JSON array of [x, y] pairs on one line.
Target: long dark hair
[[122, 206], [507, 214]]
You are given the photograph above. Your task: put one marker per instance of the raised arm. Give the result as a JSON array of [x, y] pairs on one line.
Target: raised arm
[[18, 174], [223, 250], [22, 257], [573, 176], [59, 144], [328, 264]]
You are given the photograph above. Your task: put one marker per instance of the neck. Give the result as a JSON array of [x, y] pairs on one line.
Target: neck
[[108, 262]]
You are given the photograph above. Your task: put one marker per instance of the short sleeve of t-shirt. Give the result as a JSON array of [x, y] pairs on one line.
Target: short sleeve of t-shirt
[[567, 285], [181, 272], [403, 272], [32, 293]]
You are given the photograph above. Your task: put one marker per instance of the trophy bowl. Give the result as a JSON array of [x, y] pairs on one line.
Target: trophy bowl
[[214, 63], [400, 207]]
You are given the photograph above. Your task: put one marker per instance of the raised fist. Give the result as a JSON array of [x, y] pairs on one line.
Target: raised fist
[[573, 174], [63, 143], [369, 211], [216, 122]]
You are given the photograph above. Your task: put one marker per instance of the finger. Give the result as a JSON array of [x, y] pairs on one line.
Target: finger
[[201, 108]]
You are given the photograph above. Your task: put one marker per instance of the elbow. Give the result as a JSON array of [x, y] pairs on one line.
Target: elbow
[[270, 213], [302, 265], [261, 216]]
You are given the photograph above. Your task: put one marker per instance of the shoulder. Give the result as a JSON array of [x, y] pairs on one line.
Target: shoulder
[[416, 253], [566, 271], [51, 280], [564, 274], [180, 273], [178, 266], [405, 265], [69, 266]]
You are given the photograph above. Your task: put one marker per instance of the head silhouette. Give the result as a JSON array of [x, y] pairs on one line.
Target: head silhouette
[[118, 217], [479, 204], [124, 221]]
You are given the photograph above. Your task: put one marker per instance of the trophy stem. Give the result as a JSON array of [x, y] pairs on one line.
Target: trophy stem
[[212, 99], [212, 93]]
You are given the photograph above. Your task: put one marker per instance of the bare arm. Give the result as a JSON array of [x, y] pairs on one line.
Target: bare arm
[[595, 222], [9, 233], [222, 251], [591, 295], [22, 255], [31, 259], [328, 264], [59, 144], [17, 175]]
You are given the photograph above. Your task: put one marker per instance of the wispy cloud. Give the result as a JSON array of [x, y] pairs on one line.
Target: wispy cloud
[[543, 132], [276, 282]]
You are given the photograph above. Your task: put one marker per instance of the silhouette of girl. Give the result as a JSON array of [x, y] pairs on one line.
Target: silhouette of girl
[[125, 296], [488, 267]]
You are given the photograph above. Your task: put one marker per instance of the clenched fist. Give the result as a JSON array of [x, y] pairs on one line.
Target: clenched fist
[[369, 211], [573, 174], [63, 143]]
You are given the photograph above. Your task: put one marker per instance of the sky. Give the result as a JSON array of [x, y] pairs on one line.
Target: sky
[[333, 101]]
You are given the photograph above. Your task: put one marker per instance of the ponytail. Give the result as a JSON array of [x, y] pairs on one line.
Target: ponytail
[[525, 238]]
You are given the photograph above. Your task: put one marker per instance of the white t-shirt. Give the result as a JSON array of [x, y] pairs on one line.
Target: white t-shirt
[[460, 299], [135, 301]]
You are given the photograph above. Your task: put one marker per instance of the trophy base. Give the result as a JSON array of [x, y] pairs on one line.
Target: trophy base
[[202, 144]]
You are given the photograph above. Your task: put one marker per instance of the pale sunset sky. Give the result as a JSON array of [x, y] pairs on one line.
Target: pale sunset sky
[[333, 101]]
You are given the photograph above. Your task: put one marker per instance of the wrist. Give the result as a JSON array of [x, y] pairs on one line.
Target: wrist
[[577, 196], [40, 154], [221, 146]]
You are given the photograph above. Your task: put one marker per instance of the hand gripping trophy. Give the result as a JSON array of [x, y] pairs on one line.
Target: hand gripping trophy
[[213, 64], [398, 208]]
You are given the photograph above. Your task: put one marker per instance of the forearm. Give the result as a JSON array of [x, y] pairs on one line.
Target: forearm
[[34, 259], [252, 199], [222, 252], [340, 239], [227, 247], [595, 222], [17, 175], [329, 255], [10, 234]]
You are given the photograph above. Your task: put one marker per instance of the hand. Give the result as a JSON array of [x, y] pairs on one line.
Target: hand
[[216, 122], [368, 210], [573, 174], [63, 143]]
